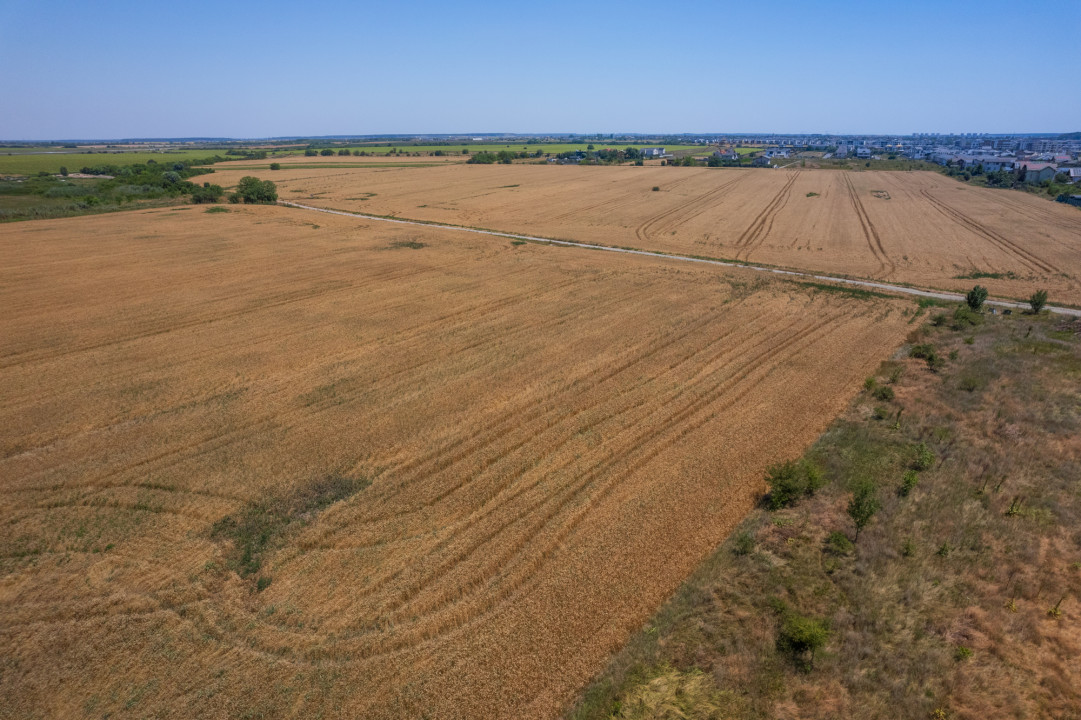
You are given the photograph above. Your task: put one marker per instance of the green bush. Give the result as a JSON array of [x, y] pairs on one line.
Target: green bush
[[208, 194], [744, 544], [801, 637], [864, 504], [790, 481], [1037, 300], [908, 483], [275, 166], [976, 297], [965, 316], [838, 543], [924, 457], [884, 393]]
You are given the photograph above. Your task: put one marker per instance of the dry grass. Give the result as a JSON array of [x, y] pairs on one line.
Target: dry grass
[[911, 227], [250, 466], [948, 604]]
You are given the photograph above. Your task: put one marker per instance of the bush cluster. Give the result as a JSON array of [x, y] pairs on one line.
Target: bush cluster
[[790, 481]]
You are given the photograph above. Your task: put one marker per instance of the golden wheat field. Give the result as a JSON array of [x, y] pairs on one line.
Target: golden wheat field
[[918, 228], [471, 468]]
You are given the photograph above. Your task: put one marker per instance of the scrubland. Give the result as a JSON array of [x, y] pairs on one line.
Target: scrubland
[[266, 463]]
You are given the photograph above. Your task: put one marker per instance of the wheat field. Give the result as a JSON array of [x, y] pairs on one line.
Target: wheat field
[[470, 468], [918, 228]]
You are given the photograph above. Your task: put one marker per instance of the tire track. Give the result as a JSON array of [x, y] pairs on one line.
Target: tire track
[[571, 498], [755, 234], [682, 212], [1030, 260], [870, 234]]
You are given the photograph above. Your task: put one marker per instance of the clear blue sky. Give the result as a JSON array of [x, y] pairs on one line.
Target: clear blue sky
[[119, 68]]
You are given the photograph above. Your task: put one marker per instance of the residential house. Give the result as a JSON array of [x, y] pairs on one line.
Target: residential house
[[653, 152], [1037, 172]]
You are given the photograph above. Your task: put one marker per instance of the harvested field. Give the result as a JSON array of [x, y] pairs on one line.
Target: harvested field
[[268, 463], [918, 228]]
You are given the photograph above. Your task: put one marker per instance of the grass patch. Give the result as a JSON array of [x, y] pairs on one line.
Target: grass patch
[[259, 527], [411, 244], [980, 275], [217, 209], [857, 292]]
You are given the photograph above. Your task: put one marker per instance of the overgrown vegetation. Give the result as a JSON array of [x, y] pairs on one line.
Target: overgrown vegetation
[[104, 188], [960, 597]]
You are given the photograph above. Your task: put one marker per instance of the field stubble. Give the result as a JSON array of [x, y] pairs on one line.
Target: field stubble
[[453, 473]]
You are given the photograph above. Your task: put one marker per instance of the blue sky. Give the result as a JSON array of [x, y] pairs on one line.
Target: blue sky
[[255, 69]]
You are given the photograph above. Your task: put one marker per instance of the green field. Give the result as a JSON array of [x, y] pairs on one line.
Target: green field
[[550, 148], [13, 162]]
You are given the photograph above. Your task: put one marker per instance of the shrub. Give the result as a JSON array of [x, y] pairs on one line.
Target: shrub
[[961, 653], [63, 171], [838, 543], [881, 412], [790, 481], [208, 194], [326, 152], [939, 320], [275, 166], [253, 190], [864, 504], [924, 457], [884, 393], [1037, 301], [801, 637], [744, 544], [964, 316], [976, 297], [908, 483]]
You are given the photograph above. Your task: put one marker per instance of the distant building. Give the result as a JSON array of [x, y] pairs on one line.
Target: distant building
[[653, 152], [729, 154], [778, 153], [864, 153], [760, 161], [1037, 172]]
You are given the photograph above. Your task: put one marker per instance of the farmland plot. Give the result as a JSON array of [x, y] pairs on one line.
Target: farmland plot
[[284, 464], [918, 228]]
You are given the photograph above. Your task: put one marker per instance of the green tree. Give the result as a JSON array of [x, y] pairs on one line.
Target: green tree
[[275, 166], [311, 152], [253, 190], [326, 151], [63, 171], [207, 194], [344, 151], [864, 504], [976, 297], [1037, 301]]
